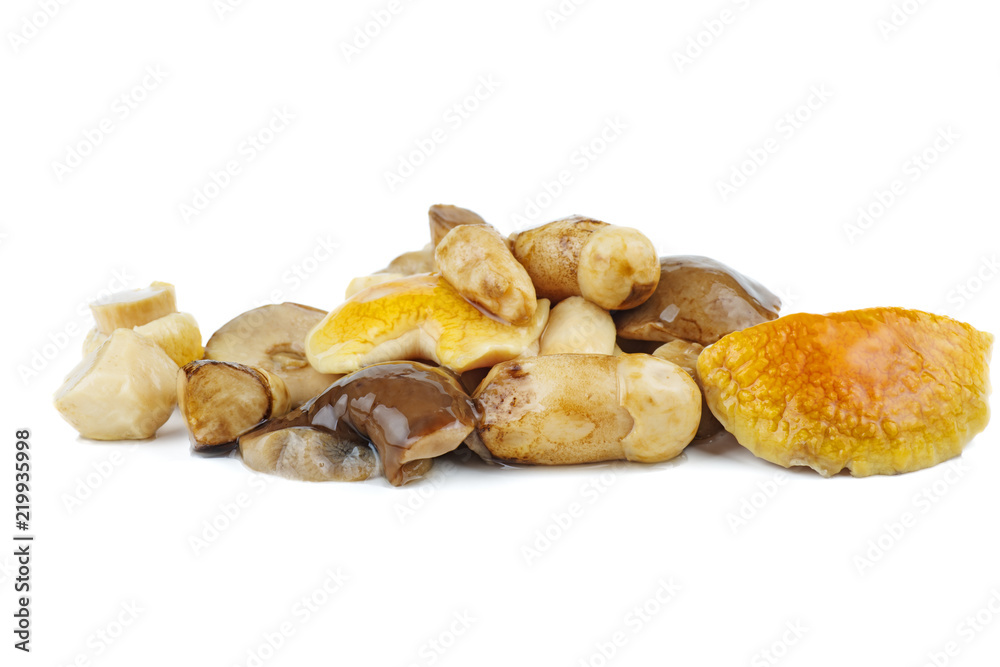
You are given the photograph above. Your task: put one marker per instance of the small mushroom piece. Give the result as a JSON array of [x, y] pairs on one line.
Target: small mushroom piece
[[577, 326], [271, 338], [475, 259], [409, 411], [700, 300], [410, 263], [420, 317], [123, 390], [221, 400], [613, 267], [444, 218], [176, 333], [685, 354], [133, 308], [583, 408], [310, 454]]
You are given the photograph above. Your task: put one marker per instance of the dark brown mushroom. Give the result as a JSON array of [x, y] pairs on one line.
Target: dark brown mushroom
[[698, 299], [410, 412]]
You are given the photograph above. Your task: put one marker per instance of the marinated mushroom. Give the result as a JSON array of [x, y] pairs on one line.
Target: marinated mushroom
[[271, 338], [577, 326], [133, 308], [123, 390], [364, 282], [409, 411], [222, 400], [685, 354], [700, 300], [583, 408], [444, 218], [420, 317], [311, 454], [410, 263], [476, 261], [613, 267]]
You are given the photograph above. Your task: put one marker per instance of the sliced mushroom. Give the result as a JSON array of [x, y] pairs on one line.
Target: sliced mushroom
[[409, 411], [271, 337], [700, 300], [133, 308], [420, 317], [222, 400]]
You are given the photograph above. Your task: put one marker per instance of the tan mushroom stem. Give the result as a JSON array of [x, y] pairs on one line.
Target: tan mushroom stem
[[409, 411]]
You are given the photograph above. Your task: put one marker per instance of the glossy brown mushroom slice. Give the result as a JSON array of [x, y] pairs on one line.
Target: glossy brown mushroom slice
[[409, 411]]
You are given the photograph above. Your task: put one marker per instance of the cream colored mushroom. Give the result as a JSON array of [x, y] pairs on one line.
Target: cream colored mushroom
[[573, 408], [577, 326]]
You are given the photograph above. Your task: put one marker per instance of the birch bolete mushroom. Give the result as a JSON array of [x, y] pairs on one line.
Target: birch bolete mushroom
[[409, 411]]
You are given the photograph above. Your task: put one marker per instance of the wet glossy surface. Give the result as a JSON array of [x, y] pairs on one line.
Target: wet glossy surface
[[407, 410], [698, 299], [878, 391]]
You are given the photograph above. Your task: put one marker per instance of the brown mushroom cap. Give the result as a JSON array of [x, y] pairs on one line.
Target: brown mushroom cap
[[409, 411], [698, 299], [444, 217]]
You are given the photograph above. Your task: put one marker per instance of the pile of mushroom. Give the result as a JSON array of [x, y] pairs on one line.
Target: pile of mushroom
[[572, 342]]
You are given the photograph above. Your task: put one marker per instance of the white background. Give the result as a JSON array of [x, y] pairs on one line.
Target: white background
[[797, 561]]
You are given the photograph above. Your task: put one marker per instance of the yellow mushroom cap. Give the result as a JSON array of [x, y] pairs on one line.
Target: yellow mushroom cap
[[413, 318]]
